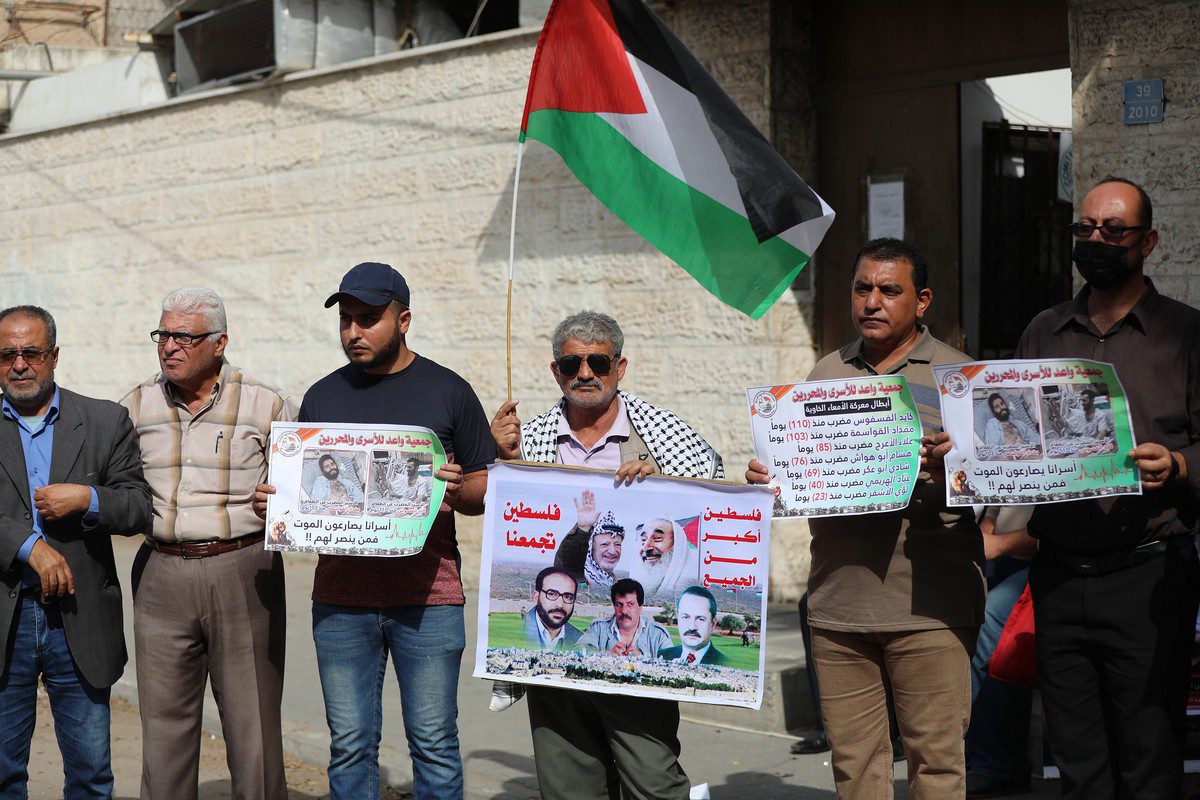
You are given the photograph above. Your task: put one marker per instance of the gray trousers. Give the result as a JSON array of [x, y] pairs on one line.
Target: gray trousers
[[221, 617], [586, 746]]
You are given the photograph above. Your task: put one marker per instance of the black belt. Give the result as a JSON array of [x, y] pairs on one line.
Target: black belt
[[35, 593], [1102, 564]]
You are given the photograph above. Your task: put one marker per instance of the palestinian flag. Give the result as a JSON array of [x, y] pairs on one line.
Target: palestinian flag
[[652, 135], [691, 529]]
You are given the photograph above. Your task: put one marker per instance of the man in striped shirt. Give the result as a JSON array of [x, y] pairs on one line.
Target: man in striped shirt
[[208, 599]]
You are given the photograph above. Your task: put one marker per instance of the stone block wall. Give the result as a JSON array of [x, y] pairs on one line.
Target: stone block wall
[[268, 193], [1159, 39]]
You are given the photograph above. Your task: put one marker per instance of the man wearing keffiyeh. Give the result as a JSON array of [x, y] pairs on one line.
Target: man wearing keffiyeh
[[587, 746]]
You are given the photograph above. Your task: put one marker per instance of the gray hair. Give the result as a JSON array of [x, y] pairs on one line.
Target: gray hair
[[36, 312], [198, 300], [588, 327]]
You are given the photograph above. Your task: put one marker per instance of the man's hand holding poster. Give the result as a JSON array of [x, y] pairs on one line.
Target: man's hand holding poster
[[353, 489], [835, 447], [643, 590], [1035, 432]]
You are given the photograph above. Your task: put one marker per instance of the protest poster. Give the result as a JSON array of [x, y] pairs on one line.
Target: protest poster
[[847, 446], [1035, 431], [658, 589], [351, 489]]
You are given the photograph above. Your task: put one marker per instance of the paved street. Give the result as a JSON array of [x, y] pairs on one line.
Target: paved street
[[737, 765]]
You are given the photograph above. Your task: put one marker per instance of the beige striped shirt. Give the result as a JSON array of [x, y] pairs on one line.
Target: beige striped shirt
[[202, 468]]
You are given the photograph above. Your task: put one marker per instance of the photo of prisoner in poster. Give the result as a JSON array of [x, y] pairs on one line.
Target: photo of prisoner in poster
[[1079, 420], [332, 481], [401, 484], [591, 550], [1006, 425], [696, 616], [626, 632], [547, 626]]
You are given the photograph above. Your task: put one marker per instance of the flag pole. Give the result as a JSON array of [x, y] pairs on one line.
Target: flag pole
[[512, 263]]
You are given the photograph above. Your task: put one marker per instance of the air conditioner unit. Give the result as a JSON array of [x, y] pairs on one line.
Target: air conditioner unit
[[251, 39]]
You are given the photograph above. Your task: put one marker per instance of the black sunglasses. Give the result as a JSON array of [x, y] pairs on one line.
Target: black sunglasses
[[1112, 233], [598, 363]]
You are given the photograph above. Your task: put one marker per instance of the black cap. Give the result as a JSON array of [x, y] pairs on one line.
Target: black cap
[[374, 283]]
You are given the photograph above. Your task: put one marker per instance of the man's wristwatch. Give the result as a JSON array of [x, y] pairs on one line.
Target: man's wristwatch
[[1174, 469]]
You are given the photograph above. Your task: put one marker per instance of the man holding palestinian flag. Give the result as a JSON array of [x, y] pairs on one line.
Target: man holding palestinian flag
[[647, 130]]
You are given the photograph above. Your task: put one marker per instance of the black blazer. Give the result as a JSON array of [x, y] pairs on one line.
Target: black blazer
[[94, 445]]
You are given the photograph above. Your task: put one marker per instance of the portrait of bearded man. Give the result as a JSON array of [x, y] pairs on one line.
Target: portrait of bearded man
[[665, 564]]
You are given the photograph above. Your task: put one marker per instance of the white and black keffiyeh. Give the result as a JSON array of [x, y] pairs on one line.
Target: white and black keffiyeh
[[597, 575], [677, 448]]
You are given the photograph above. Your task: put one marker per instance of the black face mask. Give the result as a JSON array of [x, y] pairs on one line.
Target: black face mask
[[1101, 264]]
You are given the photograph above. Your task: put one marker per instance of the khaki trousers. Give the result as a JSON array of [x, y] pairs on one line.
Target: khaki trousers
[[929, 676], [223, 618]]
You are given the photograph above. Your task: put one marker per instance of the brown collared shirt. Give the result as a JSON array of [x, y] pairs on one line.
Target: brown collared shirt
[[920, 568], [202, 468], [1156, 352]]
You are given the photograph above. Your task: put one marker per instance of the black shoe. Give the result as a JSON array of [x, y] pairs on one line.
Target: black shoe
[[807, 745], [979, 786]]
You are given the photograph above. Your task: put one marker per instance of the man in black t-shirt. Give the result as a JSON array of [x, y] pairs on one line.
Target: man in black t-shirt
[[364, 607]]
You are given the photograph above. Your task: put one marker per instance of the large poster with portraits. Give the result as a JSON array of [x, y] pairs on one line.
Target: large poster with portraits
[[1035, 431], [654, 590], [351, 489]]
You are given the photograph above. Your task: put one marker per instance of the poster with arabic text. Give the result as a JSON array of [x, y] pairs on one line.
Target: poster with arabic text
[[1035, 431], [837, 447], [658, 589], [346, 489]]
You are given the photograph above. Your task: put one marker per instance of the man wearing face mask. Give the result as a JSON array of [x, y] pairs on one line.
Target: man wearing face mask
[[1116, 581]]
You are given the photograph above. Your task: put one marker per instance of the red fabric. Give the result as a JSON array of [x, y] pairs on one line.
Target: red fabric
[[1013, 660], [580, 63]]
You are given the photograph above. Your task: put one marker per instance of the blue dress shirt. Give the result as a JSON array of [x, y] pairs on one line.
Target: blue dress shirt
[[37, 444]]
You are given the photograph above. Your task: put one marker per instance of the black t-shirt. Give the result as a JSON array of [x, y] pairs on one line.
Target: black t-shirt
[[424, 394]]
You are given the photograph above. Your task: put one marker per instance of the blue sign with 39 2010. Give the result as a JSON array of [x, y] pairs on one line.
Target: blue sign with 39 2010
[[1141, 91], [1143, 101], [1144, 113]]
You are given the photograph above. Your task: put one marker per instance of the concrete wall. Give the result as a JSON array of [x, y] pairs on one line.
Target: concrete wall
[[1163, 157], [269, 193]]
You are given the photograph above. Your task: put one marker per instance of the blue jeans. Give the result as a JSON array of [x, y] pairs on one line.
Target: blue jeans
[[999, 711], [81, 717], [426, 644]]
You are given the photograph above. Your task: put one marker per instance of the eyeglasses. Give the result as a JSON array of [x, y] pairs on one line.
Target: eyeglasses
[[554, 594], [181, 339], [1111, 233], [598, 363], [33, 357]]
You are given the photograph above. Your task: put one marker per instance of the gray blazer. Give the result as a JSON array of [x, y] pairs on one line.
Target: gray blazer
[[94, 445]]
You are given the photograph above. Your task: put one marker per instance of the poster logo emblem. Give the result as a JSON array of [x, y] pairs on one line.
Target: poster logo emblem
[[289, 444], [765, 404], [957, 385]]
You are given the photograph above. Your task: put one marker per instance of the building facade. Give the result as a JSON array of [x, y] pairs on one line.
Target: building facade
[[268, 192]]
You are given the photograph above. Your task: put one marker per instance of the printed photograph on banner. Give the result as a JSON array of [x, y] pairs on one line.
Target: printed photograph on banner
[[332, 482], [353, 489], [1027, 432], [402, 484], [656, 589], [1006, 425], [848, 446], [1079, 420]]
